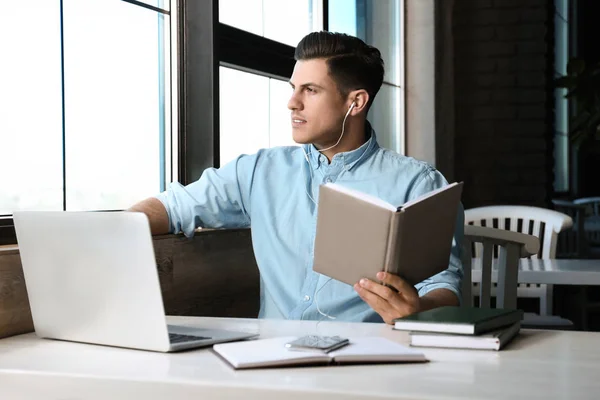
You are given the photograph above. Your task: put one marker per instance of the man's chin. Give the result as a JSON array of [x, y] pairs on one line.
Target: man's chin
[[301, 138]]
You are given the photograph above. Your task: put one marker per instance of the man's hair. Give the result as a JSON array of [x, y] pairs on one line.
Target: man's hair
[[352, 64]]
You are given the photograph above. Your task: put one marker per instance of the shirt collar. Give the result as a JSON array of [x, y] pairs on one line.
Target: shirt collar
[[349, 158]]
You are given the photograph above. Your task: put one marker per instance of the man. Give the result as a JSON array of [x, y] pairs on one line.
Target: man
[[335, 80]]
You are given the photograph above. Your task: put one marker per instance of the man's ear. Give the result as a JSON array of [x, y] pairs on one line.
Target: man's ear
[[360, 98]]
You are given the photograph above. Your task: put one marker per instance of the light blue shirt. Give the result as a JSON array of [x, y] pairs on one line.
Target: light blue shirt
[[271, 191]]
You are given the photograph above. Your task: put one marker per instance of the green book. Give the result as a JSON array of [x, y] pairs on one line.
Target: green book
[[461, 320]]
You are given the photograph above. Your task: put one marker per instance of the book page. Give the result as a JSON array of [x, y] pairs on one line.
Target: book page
[[376, 349], [266, 352], [427, 195], [362, 196]]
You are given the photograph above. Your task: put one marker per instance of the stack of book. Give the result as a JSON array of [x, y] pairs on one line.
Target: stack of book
[[462, 327]]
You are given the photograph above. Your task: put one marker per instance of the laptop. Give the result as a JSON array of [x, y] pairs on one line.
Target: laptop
[[92, 277]]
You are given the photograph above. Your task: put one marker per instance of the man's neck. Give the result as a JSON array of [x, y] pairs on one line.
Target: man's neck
[[354, 137]]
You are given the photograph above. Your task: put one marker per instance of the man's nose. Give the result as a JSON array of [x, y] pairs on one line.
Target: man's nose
[[294, 103]]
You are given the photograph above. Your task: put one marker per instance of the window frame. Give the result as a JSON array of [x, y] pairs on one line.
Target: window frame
[[8, 235], [203, 45], [206, 44]]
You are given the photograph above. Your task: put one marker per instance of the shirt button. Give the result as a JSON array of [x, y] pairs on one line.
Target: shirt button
[[328, 180], [306, 298]]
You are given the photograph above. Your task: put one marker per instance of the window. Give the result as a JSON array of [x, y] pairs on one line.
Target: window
[[160, 4], [261, 123], [31, 123], [114, 114], [88, 123], [104, 106], [247, 126], [264, 122], [380, 24], [562, 52], [285, 21]]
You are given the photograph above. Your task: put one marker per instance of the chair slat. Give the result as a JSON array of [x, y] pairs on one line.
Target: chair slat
[[525, 226], [508, 270], [486, 275]]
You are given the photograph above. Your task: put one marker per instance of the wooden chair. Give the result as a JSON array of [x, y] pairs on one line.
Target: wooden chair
[[583, 241], [572, 243], [592, 202], [591, 222], [540, 222], [511, 247]]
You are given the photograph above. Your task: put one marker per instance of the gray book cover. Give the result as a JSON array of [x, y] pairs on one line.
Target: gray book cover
[[359, 235]]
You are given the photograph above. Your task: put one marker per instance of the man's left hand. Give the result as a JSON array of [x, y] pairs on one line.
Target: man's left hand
[[387, 302]]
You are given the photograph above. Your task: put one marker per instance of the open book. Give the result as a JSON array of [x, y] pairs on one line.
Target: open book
[[273, 353], [359, 235]]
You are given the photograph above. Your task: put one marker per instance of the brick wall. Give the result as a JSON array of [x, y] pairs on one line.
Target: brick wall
[[503, 111]]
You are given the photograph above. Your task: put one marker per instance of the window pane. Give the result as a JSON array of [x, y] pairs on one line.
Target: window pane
[[242, 14], [112, 103], [383, 31], [561, 105], [342, 16], [244, 113], [378, 23], [162, 4], [280, 125], [285, 21], [248, 126], [31, 118], [386, 117], [288, 21]]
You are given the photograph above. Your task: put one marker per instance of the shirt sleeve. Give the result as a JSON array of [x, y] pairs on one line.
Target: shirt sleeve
[[219, 199], [451, 278]]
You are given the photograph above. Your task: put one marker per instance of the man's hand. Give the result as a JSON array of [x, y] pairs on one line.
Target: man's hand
[[387, 302], [403, 300]]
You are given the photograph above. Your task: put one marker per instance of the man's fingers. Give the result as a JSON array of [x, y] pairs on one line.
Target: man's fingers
[[377, 303], [396, 282], [384, 292]]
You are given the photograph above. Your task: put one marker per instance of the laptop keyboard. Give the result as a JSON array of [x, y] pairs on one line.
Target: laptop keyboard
[[178, 338]]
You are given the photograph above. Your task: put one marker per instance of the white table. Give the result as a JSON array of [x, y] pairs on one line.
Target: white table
[[538, 364], [551, 272]]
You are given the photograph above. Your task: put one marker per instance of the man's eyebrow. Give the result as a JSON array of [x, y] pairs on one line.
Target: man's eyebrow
[[306, 85]]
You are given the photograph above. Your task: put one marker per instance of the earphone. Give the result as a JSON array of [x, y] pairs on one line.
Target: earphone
[[343, 126], [331, 147], [313, 200]]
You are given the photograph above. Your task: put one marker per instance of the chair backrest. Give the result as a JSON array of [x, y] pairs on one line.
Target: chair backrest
[[591, 220], [572, 242], [512, 246], [542, 223], [592, 202]]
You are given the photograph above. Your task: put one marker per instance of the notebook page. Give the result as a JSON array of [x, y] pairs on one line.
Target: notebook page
[[373, 349], [427, 195], [266, 352], [362, 196]]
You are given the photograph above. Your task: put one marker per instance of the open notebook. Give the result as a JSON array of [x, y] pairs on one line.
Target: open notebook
[[273, 353]]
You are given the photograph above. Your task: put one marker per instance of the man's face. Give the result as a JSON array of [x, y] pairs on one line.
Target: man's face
[[317, 107]]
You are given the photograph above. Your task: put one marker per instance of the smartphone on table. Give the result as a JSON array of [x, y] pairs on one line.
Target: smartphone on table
[[323, 344]]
